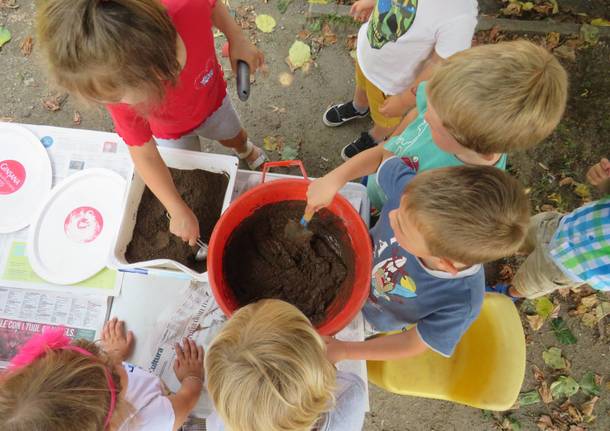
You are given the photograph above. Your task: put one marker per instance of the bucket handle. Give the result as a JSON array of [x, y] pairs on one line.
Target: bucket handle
[[283, 163]]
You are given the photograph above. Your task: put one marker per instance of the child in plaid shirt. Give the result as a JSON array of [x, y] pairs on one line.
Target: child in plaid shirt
[[568, 250]]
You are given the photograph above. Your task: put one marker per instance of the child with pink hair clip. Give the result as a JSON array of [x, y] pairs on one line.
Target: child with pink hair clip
[[56, 384]]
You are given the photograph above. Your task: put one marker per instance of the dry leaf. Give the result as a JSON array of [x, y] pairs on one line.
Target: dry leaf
[[587, 408], [552, 40], [26, 46], [351, 40], [574, 413], [589, 301], [589, 320], [538, 374], [545, 393], [536, 321], [566, 52], [506, 273], [564, 292], [567, 181], [51, 104], [545, 423], [304, 34], [330, 38], [76, 118], [494, 33], [286, 79]]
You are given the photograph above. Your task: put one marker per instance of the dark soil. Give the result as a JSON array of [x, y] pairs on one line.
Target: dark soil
[[262, 262], [569, 10], [204, 193]]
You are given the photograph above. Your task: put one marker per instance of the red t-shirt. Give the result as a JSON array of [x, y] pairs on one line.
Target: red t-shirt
[[200, 89]]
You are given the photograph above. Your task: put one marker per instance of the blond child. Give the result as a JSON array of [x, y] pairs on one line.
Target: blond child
[[153, 64], [54, 384], [432, 237], [267, 371], [567, 250], [397, 48], [478, 105]]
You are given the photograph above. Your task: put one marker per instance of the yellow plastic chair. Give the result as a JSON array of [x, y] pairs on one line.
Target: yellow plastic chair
[[486, 371]]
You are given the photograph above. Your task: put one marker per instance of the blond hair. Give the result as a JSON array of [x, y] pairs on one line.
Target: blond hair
[[267, 370], [98, 49], [469, 214], [498, 98], [63, 390]]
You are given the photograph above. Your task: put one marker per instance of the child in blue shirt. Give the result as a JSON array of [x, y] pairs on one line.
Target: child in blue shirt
[[433, 234]]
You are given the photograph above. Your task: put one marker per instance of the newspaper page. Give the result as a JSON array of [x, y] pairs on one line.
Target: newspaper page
[[70, 151], [24, 313]]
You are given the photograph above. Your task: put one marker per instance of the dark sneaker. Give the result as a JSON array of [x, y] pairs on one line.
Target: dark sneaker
[[337, 115], [363, 143]]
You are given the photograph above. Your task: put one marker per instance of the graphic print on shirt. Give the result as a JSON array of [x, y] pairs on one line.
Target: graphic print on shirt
[[390, 20], [389, 275], [206, 75]]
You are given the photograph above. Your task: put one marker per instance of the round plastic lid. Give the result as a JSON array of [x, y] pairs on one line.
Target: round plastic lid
[[75, 227], [25, 176]]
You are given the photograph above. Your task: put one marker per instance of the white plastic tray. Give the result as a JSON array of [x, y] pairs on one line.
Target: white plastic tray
[[179, 159]]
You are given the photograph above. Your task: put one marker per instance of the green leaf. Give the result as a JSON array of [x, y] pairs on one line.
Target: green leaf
[[589, 33], [290, 153], [552, 357], [544, 307], [315, 26], [265, 23], [555, 6], [529, 398], [528, 5], [515, 425], [562, 332], [282, 5], [588, 384], [299, 54], [600, 22], [564, 386], [5, 35]]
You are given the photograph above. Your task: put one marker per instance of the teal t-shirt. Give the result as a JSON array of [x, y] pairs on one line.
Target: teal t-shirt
[[417, 148]]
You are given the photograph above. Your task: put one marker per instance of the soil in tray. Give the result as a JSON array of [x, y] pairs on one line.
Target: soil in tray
[[203, 192], [261, 262]]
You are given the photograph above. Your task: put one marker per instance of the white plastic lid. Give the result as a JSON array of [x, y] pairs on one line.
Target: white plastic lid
[[75, 227], [25, 176]]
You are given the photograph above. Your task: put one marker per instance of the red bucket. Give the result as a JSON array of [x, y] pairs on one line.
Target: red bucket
[[351, 297]]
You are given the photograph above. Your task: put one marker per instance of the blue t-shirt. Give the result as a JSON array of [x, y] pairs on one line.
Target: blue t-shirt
[[404, 291]]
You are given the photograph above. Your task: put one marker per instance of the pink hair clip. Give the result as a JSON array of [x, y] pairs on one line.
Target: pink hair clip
[[55, 339]]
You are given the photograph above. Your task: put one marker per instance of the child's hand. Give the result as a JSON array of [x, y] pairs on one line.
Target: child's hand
[[362, 9], [320, 193], [242, 49], [189, 360], [398, 105], [117, 342], [599, 174], [334, 349], [184, 224]]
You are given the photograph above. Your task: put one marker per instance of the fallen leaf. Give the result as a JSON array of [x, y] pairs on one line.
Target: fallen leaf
[[5, 35], [304, 34], [555, 6], [512, 9], [567, 181], [26, 46], [545, 423], [290, 153], [273, 143], [76, 118], [277, 109], [544, 307], [282, 5], [265, 23], [528, 5], [553, 358], [51, 104], [555, 197], [589, 320], [564, 292], [552, 40], [602, 310], [588, 384], [587, 408], [566, 52], [353, 54], [529, 398], [538, 374], [562, 332], [589, 301], [582, 190], [574, 413], [535, 321], [564, 386], [286, 79], [600, 22], [545, 393], [299, 54], [589, 33], [547, 208], [350, 42], [330, 38]]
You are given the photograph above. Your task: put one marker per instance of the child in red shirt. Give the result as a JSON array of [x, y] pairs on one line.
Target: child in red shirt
[[153, 64]]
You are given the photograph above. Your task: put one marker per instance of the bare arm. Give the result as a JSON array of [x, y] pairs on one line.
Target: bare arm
[[396, 346], [405, 122], [184, 401], [151, 167], [188, 367]]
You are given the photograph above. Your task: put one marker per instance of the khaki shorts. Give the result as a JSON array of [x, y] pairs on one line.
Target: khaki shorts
[[376, 97], [539, 275], [223, 124]]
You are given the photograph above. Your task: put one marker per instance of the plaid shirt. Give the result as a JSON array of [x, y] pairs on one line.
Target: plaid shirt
[[581, 244]]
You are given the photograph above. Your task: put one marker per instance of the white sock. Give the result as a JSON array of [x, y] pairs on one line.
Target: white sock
[[360, 109]]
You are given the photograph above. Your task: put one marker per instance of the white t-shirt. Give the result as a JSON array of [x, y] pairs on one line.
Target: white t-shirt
[[152, 410], [391, 55], [347, 415]]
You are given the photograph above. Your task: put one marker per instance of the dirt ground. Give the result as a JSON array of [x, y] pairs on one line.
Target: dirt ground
[[293, 113]]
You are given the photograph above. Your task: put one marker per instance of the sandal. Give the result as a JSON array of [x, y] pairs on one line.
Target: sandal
[[256, 163], [501, 288]]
